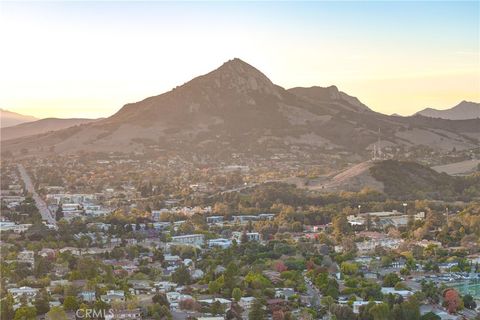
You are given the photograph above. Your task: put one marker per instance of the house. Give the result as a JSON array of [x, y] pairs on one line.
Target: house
[[220, 242], [192, 239], [172, 260], [87, 296], [23, 292], [285, 293], [244, 219], [141, 287], [113, 295], [214, 219], [357, 304], [12, 226], [175, 297], [47, 253], [26, 256], [403, 293], [213, 300], [165, 286], [246, 302], [251, 236], [197, 274]]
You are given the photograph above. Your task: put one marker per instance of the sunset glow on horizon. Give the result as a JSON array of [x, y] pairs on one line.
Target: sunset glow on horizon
[[88, 59]]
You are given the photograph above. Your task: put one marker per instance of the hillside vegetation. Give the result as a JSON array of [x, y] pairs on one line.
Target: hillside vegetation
[[406, 180]]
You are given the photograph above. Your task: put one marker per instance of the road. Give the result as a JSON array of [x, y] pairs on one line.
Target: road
[[41, 205], [313, 292]]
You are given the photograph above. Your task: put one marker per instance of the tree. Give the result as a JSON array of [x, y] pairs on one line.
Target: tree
[[159, 312], [410, 309], [161, 299], [380, 311], [279, 266], [452, 300], [234, 313], [6, 308], [328, 302], [469, 302], [342, 312], [215, 286], [256, 312], [42, 302], [70, 303], [349, 268], [56, 313], [25, 313], [391, 279], [181, 276], [341, 227], [237, 294], [430, 316]]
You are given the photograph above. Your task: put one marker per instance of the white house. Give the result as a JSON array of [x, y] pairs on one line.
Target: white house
[[192, 239]]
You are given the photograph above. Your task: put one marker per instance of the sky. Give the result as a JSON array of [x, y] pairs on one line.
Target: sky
[[88, 59]]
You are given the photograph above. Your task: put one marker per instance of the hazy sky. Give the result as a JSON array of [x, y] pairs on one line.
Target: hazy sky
[[72, 59]]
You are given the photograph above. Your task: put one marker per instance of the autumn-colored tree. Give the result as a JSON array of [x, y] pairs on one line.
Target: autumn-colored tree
[[279, 266], [452, 300], [278, 315]]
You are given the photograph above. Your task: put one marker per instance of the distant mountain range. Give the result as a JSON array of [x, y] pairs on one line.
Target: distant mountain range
[[39, 127], [9, 118], [464, 110], [237, 109]]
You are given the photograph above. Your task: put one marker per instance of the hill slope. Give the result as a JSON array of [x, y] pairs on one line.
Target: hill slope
[[237, 109], [9, 118], [412, 180], [40, 126], [464, 110]]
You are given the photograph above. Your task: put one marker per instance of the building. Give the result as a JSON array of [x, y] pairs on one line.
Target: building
[[404, 293], [26, 256], [23, 292], [113, 295], [215, 219], [244, 219], [251, 236], [191, 239], [384, 218], [246, 302], [222, 243]]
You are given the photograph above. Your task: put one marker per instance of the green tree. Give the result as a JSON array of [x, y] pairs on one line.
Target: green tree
[[181, 276], [380, 311], [391, 279], [469, 302], [237, 294], [6, 309], [42, 302], [70, 303], [161, 299], [56, 313], [25, 313], [256, 312], [430, 316], [341, 227]]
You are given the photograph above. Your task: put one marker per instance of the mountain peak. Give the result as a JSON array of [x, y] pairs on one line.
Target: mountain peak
[[462, 111], [238, 75]]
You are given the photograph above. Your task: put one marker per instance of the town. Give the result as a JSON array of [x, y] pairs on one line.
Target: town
[[107, 236]]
